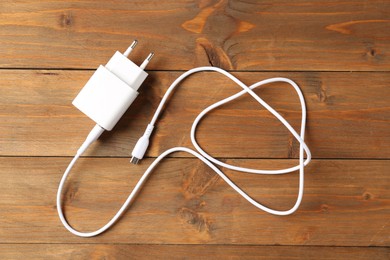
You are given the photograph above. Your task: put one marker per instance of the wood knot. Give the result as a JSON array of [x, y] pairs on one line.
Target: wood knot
[[367, 196], [305, 234], [322, 95], [216, 56], [324, 208], [198, 181], [371, 53], [66, 19], [197, 220]]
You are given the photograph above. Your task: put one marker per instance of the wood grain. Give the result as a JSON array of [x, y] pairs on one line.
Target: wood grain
[[346, 203], [104, 251], [348, 115], [236, 35], [337, 51]]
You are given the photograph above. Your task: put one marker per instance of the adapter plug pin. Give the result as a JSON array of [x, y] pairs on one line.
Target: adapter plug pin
[[131, 47], [146, 61]]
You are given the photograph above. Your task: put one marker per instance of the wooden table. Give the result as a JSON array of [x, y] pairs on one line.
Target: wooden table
[[337, 51]]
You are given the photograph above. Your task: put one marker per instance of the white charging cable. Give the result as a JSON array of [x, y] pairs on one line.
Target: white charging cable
[[143, 143]]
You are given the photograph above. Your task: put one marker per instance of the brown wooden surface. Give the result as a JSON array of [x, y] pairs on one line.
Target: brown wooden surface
[[245, 35], [186, 203], [105, 251], [348, 115], [337, 51]]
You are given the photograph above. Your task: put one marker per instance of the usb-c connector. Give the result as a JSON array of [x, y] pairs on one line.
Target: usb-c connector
[[134, 160], [142, 145]]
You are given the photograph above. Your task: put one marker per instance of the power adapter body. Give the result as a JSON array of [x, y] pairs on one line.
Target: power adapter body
[[111, 90]]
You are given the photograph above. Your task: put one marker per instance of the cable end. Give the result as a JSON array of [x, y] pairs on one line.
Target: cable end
[[134, 160], [140, 148]]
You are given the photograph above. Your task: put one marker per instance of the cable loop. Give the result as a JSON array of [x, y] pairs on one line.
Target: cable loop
[[205, 157]]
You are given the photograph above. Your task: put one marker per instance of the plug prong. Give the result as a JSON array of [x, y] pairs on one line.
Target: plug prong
[[146, 61], [131, 47]]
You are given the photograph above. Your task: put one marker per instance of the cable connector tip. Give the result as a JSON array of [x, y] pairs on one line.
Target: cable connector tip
[[134, 160], [140, 149]]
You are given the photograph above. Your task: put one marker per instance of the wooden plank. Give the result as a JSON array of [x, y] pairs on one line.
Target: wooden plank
[[346, 203], [104, 251], [243, 35], [348, 115]]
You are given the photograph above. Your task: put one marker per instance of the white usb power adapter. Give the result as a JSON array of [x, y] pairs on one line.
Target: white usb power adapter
[[112, 89]]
